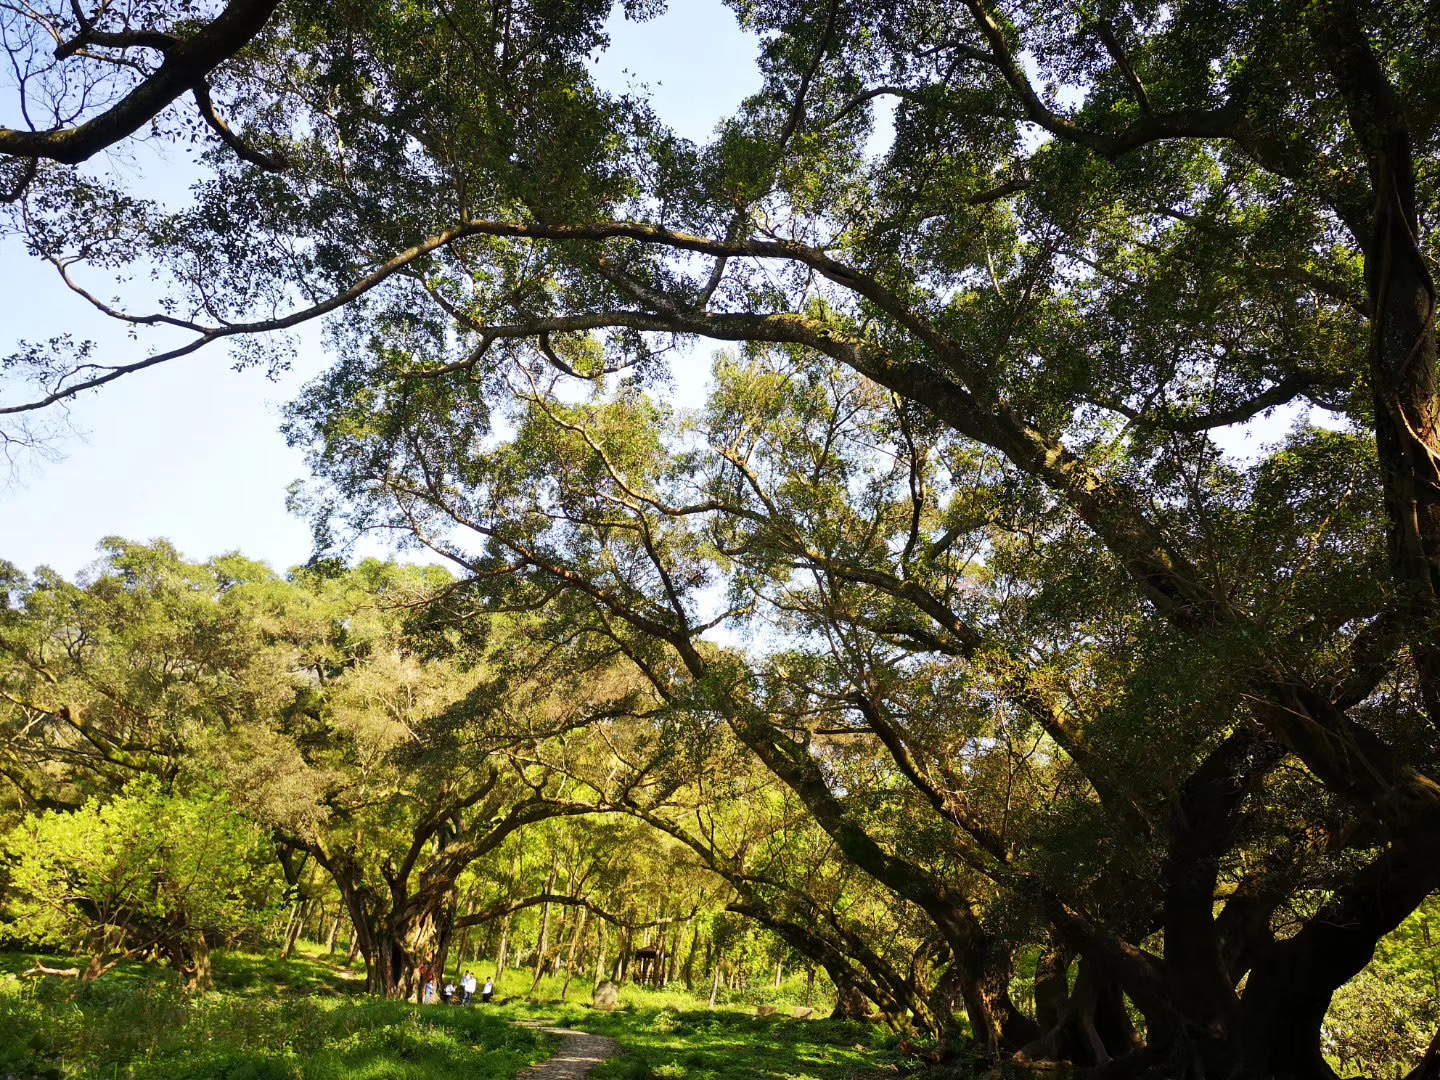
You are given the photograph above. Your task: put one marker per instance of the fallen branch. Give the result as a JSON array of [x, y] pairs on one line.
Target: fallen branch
[[41, 969]]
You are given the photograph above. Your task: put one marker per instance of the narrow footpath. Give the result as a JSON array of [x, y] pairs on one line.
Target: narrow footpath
[[578, 1054]]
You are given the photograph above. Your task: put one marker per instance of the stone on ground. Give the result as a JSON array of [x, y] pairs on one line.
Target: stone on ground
[[606, 996]]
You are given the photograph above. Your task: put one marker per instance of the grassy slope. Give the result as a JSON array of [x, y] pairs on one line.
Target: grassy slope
[[700, 1044], [267, 1020], [308, 1019]]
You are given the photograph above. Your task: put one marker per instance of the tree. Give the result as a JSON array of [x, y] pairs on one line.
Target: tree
[[114, 677], [1098, 236], [397, 772], [102, 83], [144, 872]]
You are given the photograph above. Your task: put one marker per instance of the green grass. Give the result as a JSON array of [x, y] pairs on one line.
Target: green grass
[[267, 1020], [515, 985], [256, 973], [669, 1034], [307, 1018], [700, 1044]]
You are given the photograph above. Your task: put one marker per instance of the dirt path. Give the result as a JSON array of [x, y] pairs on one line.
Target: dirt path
[[578, 1054]]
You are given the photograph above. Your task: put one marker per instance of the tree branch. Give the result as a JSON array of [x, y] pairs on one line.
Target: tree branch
[[187, 62]]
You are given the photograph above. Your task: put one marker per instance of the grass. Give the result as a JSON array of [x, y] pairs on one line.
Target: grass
[[307, 1018], [727, 1044], [671, 1034], [515, 985], [267, 1020]]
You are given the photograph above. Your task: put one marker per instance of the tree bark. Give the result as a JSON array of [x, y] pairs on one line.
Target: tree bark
[[687, 972], [292, 929], [504, 956], [574, 947]]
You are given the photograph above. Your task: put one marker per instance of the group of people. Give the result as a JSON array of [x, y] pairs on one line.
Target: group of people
[[464, 994]]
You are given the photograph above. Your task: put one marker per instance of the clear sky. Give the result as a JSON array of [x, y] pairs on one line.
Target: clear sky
[[190, 450]]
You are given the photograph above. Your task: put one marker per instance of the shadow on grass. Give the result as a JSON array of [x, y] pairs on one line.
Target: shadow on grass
[[141, 1025], [701, 1044], [247, 973]]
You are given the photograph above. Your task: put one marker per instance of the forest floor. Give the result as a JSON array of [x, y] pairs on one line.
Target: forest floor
[[307, 1018], [577, 1056], [697, 1043]]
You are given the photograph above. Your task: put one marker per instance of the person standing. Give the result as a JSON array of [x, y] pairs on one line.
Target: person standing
[[467, 986]]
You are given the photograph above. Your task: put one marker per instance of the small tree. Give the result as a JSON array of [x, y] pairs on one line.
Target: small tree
[[146, 873]]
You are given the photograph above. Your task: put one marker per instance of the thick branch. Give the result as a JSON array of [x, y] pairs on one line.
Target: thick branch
[[186, 64]]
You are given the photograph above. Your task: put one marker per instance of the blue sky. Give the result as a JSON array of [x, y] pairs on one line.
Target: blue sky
[[190, 450]]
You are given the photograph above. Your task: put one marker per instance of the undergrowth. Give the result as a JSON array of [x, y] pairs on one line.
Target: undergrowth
[[266, 1020]]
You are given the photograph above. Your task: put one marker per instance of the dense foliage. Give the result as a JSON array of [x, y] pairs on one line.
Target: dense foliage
[[206, 755], [1041, 708], [142, 871]]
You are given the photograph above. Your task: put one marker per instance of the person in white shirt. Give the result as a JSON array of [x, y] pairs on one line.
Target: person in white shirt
[[488, 990], [468, 983]]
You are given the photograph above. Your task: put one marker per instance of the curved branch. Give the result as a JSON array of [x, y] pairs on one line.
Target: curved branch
[[499, 911], [1300, 384], [268, 162], [121, 39], [187, 61]]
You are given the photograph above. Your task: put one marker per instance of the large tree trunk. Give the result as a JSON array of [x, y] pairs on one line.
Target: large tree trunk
[[1087, 1026], [983, 977], [850, 1003], [387, 965], [202, 974]]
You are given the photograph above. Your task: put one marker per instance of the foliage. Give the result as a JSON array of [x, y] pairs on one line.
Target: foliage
[[112, 676], [142, 871], [1390, 1012], [949, 630]]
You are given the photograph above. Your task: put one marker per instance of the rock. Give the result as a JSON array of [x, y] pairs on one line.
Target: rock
[[765, 1010], [850, 1004], [606, 996], [805, 1013]]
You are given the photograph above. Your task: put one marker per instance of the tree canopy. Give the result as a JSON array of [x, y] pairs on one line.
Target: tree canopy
[[954, 561]]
